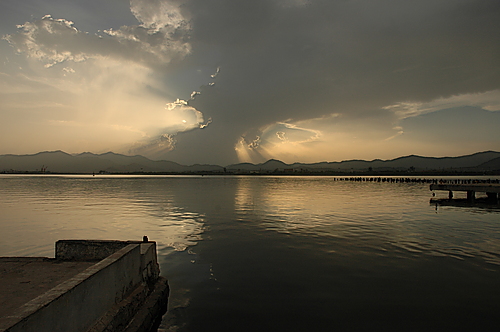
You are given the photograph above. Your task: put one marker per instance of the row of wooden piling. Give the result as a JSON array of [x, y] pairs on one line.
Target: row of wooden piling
[[418, 180]]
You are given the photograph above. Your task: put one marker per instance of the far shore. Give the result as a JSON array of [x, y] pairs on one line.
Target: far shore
[[353, 173]]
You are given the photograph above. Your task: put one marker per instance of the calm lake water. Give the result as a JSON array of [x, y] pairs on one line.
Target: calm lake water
[[279, 253]]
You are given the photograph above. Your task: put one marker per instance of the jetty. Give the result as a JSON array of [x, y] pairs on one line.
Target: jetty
[[492, 190], [90, 285]]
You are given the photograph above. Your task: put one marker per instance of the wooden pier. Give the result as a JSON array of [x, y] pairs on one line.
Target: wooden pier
[[492, 190]]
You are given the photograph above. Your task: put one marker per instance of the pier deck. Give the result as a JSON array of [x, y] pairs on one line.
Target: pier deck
[[491, 190]]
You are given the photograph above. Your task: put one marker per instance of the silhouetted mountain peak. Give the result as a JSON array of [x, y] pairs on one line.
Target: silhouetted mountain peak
[[87, 162], [274, 162], [85, 154], [57, 152]]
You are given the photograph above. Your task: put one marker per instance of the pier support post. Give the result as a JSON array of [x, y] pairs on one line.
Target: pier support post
[[471, 196], [450, 195], [492, 197]]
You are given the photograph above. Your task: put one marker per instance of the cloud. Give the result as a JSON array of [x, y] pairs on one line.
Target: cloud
[[183, 118], [316, 79], [281, 136], [294, 63], [54, 41], [216, 73], [487, 100], [274, 140], [39, 40], [154, 147], [104, 80], [156, 15]]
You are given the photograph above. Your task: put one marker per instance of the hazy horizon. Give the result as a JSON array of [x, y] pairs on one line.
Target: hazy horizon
[[257, 163], [228, 81]]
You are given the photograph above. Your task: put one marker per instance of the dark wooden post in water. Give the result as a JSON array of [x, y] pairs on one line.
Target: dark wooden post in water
[[471, 196], [492, 197]]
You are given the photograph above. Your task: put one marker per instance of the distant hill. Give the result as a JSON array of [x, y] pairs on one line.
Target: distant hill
[[474, 162], [493, 165], [62, 162]]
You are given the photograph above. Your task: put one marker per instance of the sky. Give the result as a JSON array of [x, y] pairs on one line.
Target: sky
[[226, 81]]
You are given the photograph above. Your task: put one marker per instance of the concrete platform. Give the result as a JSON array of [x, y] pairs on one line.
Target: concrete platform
[[25, 278], [91, 286]]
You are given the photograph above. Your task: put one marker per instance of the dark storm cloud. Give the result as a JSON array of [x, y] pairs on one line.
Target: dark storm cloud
[[290, 60], [301, 68]]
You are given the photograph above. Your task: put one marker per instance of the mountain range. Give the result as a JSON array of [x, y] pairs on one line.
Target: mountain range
[[62, 162]]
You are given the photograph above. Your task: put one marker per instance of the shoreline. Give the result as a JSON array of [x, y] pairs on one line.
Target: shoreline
[[275, 173]]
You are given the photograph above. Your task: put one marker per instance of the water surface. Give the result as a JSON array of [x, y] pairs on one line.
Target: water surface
[[279, 253]]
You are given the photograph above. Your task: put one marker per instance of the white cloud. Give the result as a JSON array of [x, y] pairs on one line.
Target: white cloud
[[489, 100], [281, 136], [214, 75], [204, 125], [41, 40], [181, 117], [176, 104], [157, 15], [54, 41]]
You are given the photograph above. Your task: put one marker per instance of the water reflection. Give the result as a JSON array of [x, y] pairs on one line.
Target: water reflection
[[275, 251], [381, 217], [62, 207]]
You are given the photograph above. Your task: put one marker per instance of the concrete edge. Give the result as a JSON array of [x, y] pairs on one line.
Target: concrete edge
[[88, 250], [26, 259], [53, 294]]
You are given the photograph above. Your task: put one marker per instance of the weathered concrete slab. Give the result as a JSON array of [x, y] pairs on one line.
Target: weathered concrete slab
[[24, 278]]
